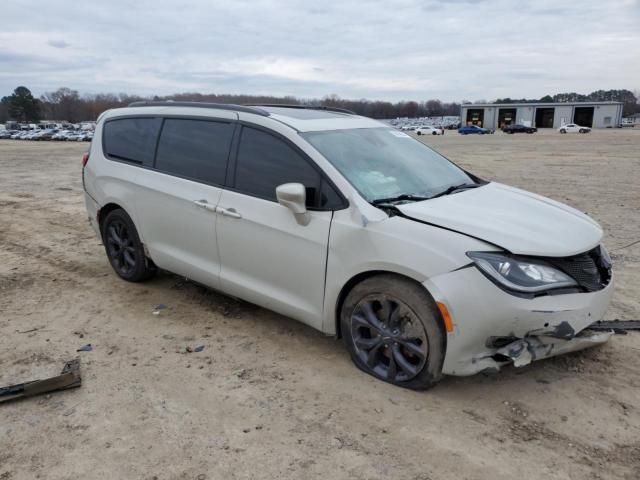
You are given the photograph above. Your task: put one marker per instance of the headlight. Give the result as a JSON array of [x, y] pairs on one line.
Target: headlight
[[521, 274]]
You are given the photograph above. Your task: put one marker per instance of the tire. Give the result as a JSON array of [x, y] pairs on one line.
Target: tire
[[407, 349], [124, 248], [434, 133], [563, 131]]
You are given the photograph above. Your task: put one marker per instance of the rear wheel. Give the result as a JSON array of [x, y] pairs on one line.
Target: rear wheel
[[392, 329], [582, 130], [563, 131], [124, 248], [434, 133]]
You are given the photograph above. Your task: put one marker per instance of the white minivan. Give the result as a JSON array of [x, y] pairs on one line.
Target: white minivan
[[352, 227]]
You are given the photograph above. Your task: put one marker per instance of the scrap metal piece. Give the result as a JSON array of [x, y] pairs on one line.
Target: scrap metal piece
[[615, 325], [68, 378]]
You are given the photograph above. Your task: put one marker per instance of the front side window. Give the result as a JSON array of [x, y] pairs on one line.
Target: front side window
[[265, 161], [131, 139], [384, 163], [195, 149]]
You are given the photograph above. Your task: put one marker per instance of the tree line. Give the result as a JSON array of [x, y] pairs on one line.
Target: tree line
[[65, 104]]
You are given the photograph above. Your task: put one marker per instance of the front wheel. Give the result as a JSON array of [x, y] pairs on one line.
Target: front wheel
[[124, 248], [434, 133], [582, 130], [563, 131], [391, 327]]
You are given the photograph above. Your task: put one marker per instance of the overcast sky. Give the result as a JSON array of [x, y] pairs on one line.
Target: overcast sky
[[387, 49]]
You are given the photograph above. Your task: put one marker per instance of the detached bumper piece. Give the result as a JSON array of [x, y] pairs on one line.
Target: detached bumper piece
[[618, 326], [68, 378]]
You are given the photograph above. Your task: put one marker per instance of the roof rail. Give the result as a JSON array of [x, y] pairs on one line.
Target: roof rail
[[307, 107], [219, 106]]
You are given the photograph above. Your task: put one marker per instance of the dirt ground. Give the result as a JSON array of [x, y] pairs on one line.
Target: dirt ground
[[270, 398]]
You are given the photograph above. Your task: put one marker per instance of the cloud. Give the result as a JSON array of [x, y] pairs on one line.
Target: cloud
[[58, 43], [390, 49]]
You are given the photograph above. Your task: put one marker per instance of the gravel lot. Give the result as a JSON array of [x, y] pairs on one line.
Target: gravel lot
[[270, 398]]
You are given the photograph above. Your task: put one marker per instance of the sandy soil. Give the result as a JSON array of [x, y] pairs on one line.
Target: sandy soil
[[270, 398]]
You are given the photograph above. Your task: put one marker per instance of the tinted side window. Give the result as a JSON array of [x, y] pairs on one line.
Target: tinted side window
[[131, 139], [196, 149], [264, 162]]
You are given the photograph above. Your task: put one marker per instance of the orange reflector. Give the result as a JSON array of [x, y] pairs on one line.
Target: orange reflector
[[446, 316]]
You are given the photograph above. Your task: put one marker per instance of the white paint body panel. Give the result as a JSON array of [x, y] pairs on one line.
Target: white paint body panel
[[179, 235], [518, 221], [269, 259]]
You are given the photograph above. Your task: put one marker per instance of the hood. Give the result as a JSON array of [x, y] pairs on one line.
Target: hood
[[516, 220]]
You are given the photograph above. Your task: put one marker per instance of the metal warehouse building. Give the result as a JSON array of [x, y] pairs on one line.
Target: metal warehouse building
[[543, 115]]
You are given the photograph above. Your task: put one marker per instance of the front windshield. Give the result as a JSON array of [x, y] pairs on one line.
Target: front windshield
[[385, 163]]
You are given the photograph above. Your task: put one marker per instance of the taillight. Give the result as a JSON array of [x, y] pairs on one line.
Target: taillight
[[85, 159]]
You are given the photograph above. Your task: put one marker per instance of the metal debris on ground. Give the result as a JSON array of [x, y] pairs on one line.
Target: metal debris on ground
[[199, 348], [618, 326], [68, 378], [85, 348]]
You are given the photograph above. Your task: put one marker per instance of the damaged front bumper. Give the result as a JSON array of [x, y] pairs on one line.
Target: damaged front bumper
[[526, 350], [493, 328]]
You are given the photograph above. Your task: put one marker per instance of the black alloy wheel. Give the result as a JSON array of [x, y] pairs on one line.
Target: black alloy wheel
[[389, 338], [393, 331], [124, 248], [120, 248]]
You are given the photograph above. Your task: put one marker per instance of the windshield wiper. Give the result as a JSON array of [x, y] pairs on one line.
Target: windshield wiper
[[455, 188], [399, 198]]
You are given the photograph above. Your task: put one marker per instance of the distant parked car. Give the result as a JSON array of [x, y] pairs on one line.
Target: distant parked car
[[429, 130], [61, 135], [517, 128], [573, 128], [473, 129]]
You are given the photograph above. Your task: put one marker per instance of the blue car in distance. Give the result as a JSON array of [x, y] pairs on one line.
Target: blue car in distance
[[473, 129]]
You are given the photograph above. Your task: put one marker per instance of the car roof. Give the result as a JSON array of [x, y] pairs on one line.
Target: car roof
[[302, 118]]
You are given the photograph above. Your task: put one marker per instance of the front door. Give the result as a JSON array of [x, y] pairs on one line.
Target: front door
[[267, 257]]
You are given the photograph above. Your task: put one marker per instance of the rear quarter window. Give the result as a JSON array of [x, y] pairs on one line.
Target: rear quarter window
[[131, 139]]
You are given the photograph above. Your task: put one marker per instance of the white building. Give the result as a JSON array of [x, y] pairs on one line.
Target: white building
[[543, 115]]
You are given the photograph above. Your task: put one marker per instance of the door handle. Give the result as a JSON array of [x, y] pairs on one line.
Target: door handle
[[204, 204], [228, 212]]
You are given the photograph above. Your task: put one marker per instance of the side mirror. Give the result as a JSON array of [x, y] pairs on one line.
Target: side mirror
[[294, 197]]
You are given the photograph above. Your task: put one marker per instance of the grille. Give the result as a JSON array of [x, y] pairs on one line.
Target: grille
[[589, 269]]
